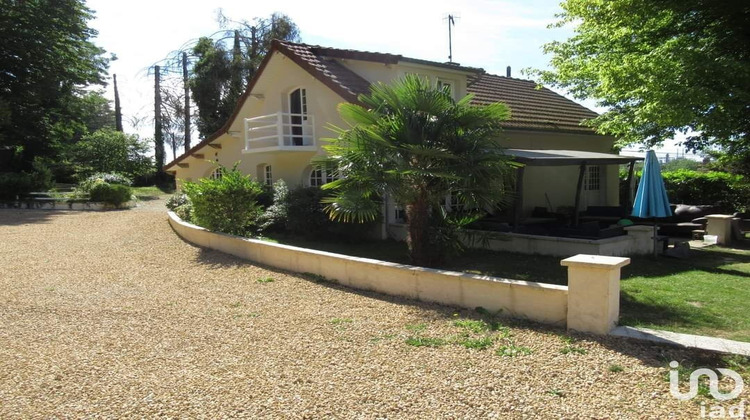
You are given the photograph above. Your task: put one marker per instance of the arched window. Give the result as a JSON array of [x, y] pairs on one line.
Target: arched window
[[298, 111], [451, 202], [320, 175], [216, 173]]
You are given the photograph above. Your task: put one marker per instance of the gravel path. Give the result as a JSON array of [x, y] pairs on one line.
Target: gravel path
[[110, 314]]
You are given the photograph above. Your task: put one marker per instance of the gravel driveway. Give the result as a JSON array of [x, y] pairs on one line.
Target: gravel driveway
[[110, 314]]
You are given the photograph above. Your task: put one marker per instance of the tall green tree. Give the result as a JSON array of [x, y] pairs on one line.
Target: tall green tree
[[661, 67], [109, 150], [415, 144], [222, 70], [47, 58], [208, 85]]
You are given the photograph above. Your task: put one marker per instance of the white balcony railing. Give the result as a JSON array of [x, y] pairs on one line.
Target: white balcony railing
[[280, 131]]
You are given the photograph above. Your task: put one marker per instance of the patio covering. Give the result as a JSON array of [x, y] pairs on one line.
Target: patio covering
[[582, 159], [567, 157]]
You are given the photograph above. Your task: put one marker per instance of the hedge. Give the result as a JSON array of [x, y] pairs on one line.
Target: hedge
[[728, 191]]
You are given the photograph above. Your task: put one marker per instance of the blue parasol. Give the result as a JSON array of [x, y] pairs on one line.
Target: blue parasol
[[651, 200]]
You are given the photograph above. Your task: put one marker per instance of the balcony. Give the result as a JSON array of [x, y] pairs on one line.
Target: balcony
[[280, 132]]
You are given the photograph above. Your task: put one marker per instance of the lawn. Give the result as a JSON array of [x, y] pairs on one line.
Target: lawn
[[152, 192], [707, 294]]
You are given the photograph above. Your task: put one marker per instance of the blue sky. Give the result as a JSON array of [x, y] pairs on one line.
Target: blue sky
[[490, 34]]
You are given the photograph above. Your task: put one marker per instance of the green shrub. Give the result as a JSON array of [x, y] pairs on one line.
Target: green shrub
[[227, 204], [41, 176], [265, 198], [275, 217], [177, 199], [115, 194], [306, 217], [185, 212], [729, 192], [15, 184], [87, 184]]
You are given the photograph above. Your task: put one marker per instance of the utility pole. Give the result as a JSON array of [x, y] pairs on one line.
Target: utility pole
[[118, 110], [158, 140], [187, 101]]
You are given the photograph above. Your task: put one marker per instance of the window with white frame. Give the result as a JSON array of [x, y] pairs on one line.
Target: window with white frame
[[448, 85], [593, 178], [452, 202], [298, 103], [268, 175], [320, 176], [399, 214], [216, 174]]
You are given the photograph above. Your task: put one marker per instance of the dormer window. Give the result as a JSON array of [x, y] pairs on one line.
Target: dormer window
[[447, 85]]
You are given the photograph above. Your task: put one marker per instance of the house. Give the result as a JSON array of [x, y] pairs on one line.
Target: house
[[277, 126]]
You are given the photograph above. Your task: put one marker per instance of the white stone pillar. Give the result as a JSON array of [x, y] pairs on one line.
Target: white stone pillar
[[643, 239], [593, 292], [721, 226]]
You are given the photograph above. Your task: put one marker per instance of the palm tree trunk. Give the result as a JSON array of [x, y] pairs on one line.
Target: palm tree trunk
[[418, 224]]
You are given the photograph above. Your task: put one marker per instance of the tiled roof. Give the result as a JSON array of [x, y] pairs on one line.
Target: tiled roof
[[531, 108], [339, 78], [385, 58]]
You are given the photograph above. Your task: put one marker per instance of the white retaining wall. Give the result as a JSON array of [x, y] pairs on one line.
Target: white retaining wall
[[535, 301]]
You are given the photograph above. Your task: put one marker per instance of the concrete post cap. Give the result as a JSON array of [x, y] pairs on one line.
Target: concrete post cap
[[644, 228], [719, 216], [595, 261]]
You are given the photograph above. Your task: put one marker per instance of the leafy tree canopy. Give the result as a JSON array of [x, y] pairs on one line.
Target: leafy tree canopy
[[224, 66], [111, 151], [208, 85], [661, 67], [46, 59]]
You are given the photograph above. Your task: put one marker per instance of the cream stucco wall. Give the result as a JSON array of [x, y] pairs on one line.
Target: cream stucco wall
[[269, 96], [282, 75], [388, 73]]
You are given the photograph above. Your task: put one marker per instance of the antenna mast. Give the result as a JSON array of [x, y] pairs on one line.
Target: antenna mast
[[452, 22]]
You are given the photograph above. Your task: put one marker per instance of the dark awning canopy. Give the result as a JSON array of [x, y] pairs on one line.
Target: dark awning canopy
[[567, 157]]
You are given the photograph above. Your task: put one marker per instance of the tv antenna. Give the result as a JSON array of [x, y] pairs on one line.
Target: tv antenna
[[451, 18]]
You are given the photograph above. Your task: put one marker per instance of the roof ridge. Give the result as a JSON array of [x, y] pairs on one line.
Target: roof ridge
[[386, 58]]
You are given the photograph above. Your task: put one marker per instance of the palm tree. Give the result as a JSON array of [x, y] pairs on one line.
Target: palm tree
[[414, 144]]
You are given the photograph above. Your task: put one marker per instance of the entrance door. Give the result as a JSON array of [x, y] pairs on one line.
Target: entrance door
[[595, 186], [298, 109]]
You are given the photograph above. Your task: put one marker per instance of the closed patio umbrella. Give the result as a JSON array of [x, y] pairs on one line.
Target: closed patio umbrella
[[651, 200]]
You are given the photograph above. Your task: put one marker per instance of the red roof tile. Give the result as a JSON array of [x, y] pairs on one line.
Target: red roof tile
[[339, 78], [531, 108]]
